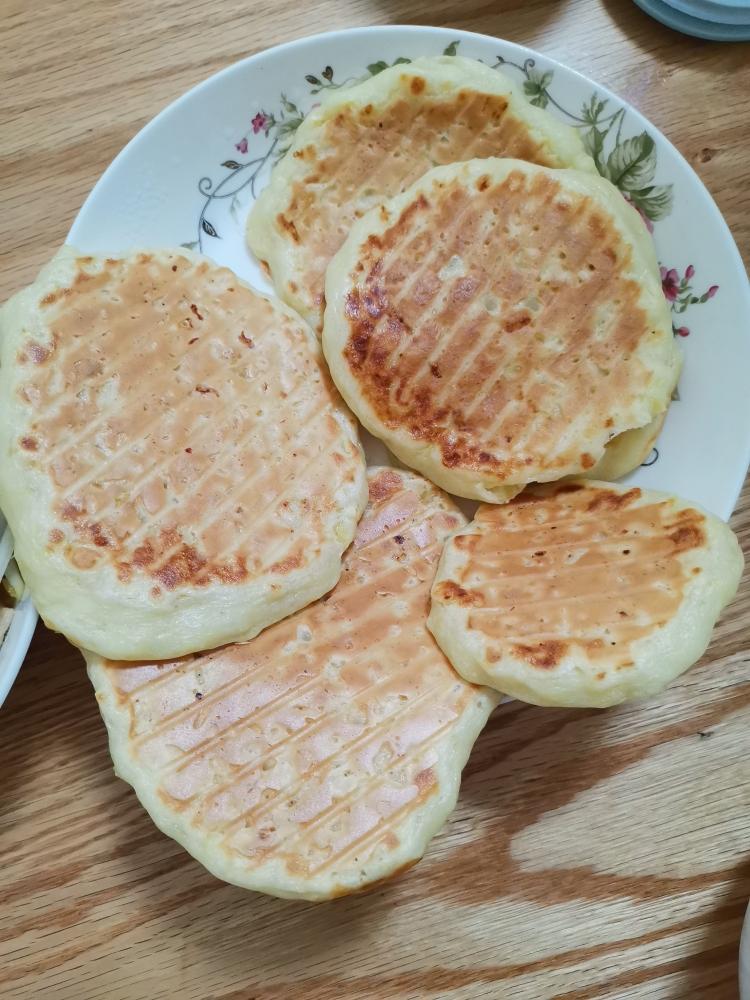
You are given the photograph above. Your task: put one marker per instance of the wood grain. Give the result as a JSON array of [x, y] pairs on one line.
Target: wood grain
[[592, 854]]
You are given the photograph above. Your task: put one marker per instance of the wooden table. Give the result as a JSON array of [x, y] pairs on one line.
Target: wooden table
[[593, 854]]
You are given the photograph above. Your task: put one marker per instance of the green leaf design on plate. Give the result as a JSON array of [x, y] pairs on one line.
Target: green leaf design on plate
[[450, 50], [535, 87], [593, 109], [632, 163], [593, 142], [377, 67], [655, 202]]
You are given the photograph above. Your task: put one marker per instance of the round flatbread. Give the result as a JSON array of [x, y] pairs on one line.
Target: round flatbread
[[368, 142], [499, 323], [583, 594], [177, 469], [323, 755]]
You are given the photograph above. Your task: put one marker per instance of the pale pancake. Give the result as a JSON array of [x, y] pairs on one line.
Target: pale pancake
[[366, 143], [178, 470], [499, 323], [323, 755], [583, 594]]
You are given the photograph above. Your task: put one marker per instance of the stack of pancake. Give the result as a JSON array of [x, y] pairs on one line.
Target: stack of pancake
[[294, 654]]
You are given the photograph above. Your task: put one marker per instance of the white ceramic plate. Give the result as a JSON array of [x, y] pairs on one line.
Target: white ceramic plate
[[16, 641], [190, 176]]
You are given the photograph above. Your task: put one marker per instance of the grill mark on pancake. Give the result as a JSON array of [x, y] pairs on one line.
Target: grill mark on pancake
[[191, 408], [83, 352], [379, 781], [191, 710], [569, 300], [367, 735], [628, 551], [265, 643], [425, 682], [474, 319], [236, 495], [409, 398], [457, 345], [530, 377], [322, 207], [268, 465], [472, 339], [92, 498], [197, 752]]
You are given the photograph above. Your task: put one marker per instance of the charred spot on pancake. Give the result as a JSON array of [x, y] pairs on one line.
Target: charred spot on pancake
[[235, 572], [688, 536], [453, 593], [185, 566], [37, 353], [545, 655], [144, 555], [417, 85], [384, 485], [97, 535], [71, 511], [467, 542], [286, 565], [611, 500], [288, 225], [52, 297], [29, 443], [514, 323]]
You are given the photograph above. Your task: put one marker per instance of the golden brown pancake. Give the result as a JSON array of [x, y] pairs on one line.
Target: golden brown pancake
[[180, 470], [369, 142], [499, 323], [583, 593], [323, 755]]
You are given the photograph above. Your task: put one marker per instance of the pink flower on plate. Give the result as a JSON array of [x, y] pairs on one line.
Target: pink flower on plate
[[670, 283], [682, 331], [259, 122], [241, 146], [689, 272], [712, 291]]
